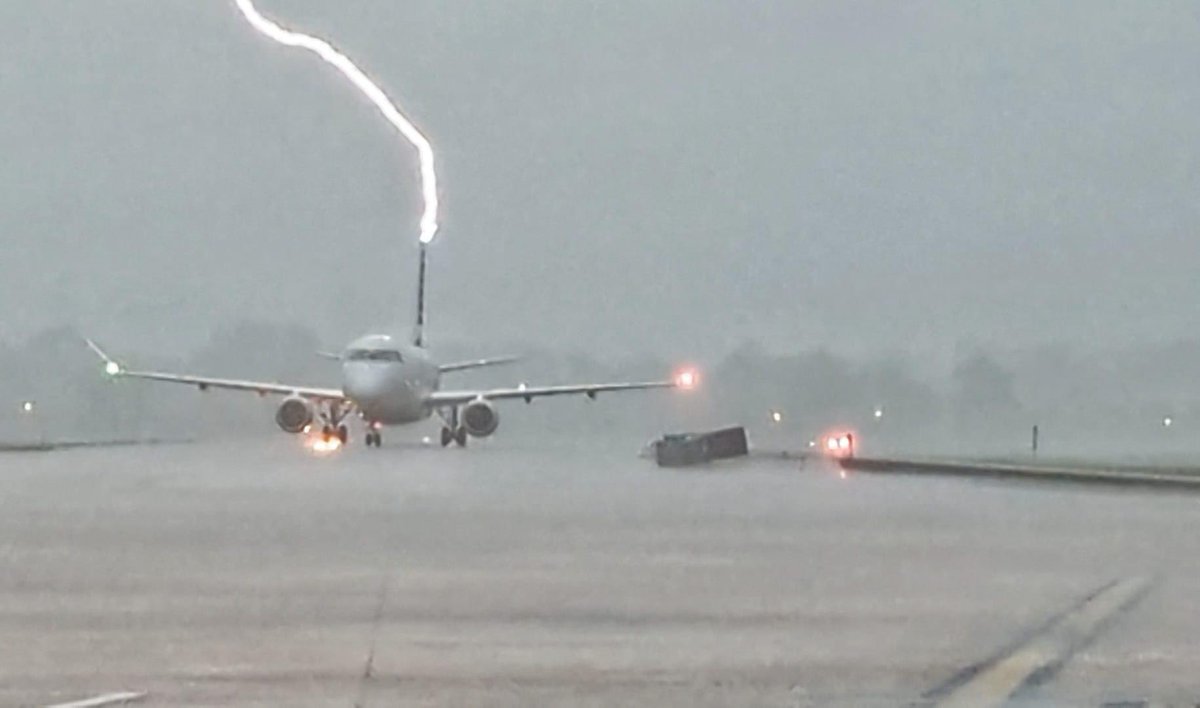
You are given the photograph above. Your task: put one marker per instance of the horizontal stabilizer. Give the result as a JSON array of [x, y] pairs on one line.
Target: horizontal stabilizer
[[477, 364]]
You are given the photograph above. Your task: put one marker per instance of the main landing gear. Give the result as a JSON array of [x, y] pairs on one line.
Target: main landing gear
[[452, 431], [341, 432], [332, 416], [458, 435]]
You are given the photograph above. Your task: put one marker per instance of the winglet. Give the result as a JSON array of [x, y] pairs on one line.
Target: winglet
[[111, 366]]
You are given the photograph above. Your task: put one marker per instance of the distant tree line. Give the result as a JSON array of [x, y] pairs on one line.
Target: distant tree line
[[1111, 402]]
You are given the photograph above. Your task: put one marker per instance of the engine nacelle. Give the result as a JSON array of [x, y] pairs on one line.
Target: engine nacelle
[[294, 414], [480, 418]]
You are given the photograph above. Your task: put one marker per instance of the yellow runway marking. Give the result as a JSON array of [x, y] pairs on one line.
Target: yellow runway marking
[[995, 683], [111, 699]]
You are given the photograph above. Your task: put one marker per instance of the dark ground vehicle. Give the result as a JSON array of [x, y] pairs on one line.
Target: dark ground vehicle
[[684, 449]]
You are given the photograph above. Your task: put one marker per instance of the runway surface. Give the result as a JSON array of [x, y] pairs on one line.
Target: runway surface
[[250, 573]]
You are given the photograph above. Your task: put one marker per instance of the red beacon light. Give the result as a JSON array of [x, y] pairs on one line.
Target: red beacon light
[[840, 445]]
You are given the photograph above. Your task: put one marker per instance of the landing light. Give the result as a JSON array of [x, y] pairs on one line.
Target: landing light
[[776, 417], [112, 368], [27, 406], [687, 379]]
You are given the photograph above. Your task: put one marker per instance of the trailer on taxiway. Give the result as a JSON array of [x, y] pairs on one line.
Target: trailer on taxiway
[[687, 449]]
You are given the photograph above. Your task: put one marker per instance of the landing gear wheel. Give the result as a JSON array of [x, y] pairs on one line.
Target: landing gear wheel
[[447, 436], [343, 434], [369, 440], [460, 437], [327, 433]]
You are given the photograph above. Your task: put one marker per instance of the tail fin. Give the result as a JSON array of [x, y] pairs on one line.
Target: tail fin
[[419, 329]]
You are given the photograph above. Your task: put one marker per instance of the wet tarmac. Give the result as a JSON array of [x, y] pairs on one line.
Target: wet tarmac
[[255, 573]]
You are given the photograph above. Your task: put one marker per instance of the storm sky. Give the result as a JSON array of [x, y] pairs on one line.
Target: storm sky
[[617, 176]]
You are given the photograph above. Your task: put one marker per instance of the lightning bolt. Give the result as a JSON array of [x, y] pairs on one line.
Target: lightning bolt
[[339, 61]]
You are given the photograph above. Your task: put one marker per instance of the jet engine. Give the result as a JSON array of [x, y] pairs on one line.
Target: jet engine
[[480, 418], [294, 414]]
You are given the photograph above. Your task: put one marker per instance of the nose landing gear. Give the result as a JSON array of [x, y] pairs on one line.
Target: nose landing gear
[[374, 438]]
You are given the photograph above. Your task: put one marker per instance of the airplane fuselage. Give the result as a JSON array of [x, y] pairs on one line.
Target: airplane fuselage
[[389, 380]]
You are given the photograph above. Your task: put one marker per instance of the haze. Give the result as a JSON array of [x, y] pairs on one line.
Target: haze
[[912, 183]]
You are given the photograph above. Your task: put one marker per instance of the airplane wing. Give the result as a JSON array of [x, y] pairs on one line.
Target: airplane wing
[[263, 388], [528, 393], [476, 364]]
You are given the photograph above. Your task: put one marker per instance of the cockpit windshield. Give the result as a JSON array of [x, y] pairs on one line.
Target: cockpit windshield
[[374, 355]]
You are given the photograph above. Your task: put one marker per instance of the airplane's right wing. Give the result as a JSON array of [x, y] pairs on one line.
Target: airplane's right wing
[[263, 388]]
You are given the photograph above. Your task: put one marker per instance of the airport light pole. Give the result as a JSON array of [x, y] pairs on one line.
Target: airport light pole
[[29, 411]]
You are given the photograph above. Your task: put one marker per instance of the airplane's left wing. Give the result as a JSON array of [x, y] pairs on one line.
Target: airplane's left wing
[[686, 379], [115, 369]]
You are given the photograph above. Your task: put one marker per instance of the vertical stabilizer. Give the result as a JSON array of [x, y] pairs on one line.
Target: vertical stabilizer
[[419, 329]]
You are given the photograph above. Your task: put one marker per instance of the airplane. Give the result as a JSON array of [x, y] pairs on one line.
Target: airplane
[[388, 381]]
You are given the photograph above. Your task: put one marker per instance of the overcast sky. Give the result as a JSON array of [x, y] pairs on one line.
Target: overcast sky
[[666, 175]]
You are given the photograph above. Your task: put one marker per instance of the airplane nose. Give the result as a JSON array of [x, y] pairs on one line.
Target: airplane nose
[[362, 384]]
